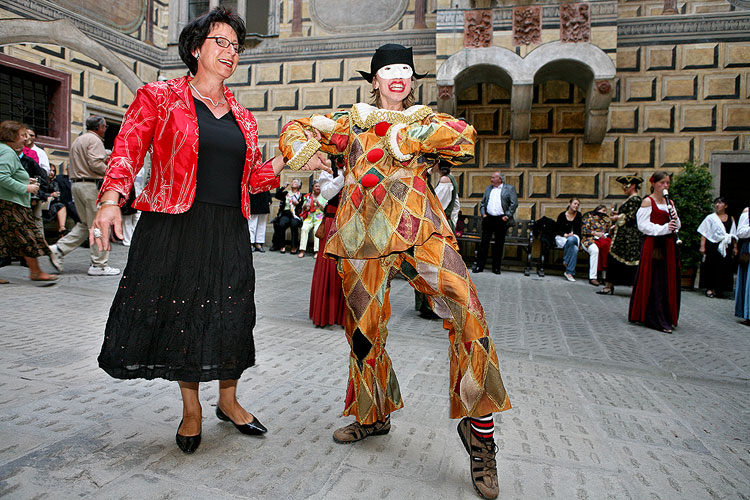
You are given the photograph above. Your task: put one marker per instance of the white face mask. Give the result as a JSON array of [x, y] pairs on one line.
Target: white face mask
[[395, 71]]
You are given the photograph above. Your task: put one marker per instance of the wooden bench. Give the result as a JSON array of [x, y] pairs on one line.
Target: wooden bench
[[520, 234]]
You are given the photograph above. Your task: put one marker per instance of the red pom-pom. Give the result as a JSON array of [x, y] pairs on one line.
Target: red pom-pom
[[382, 128], [369, 180], [374, 155]]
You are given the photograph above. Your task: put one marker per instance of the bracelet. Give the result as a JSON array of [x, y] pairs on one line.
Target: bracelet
[[106, 202]]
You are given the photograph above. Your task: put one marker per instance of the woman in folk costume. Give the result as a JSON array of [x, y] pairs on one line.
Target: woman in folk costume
[[718, 239], [389, 221], [742, 292], [656, 294]]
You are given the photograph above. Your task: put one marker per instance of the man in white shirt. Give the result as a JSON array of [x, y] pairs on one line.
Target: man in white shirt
[[43, 158], [497, 207]]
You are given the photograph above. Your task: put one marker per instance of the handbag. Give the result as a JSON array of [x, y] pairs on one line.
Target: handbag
[[321, 231]]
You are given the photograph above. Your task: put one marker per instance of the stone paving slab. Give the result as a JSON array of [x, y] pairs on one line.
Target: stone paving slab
[[603, 409]]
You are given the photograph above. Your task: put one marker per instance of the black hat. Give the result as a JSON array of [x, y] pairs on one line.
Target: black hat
[[627, 180], [390, 53]]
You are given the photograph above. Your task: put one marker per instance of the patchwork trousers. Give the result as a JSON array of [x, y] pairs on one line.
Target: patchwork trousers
[[437, 270]]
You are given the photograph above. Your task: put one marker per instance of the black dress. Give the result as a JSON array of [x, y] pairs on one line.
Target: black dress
[[185, 307], [717, 272]]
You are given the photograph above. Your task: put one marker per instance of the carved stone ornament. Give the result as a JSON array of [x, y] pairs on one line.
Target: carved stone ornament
[[445, 92], [477, 28], [603, 86], [575, 22], [527, 25]]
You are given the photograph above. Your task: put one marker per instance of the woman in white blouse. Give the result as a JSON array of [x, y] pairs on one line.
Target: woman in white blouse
[[656, 294], [742, 293]]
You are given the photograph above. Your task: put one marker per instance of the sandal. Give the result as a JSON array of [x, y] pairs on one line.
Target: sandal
[[43, 277], [356, 431], [606, 291], [710, 294], [301, 254]]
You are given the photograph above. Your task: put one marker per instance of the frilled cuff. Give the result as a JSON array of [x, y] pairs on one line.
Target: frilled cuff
[[302, 156], [263, 178], [120, 184], [391, 144]]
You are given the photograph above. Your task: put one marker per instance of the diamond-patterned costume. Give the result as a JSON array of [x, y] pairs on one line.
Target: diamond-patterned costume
[[389, 221]]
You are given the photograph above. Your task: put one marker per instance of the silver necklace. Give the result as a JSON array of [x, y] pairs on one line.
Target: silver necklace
[[216, 104]]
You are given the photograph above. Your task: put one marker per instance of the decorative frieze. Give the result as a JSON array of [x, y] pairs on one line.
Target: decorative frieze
[[527, 25], [575, 22], [477, 28]]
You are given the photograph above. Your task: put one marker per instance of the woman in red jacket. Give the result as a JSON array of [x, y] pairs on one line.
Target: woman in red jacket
[[185, 306]]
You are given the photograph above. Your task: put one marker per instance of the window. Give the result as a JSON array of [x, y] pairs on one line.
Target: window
[[37, 96], [197, 8]]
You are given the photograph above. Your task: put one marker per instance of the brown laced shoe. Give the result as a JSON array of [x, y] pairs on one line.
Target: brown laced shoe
[[356, 432], [483, 465]]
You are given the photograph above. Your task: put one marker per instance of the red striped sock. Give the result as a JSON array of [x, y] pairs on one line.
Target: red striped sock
[[483, 427]]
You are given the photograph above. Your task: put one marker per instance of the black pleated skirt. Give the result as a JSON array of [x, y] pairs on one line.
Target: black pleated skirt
[[185, 307]]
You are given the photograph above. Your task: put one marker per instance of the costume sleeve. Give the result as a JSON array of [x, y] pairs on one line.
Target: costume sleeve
[[743, 227], [444, 193], [262, 177], [451, 139], [131, 144], [330, 185], [628, 210], [647, 227], [297, 149]]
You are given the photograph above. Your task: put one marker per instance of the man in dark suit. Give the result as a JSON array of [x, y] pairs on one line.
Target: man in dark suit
[[498, 205]]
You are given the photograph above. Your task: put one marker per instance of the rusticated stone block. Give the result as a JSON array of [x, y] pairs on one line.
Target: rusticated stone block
[[623, 119], [526, 153], [269, 126], [317, 98], [240, 77], [604, 155], [578, 184], [682, 87], [345, 97], [268, 74], [102, 88], [497, 94], [709, 144], [570, 120], [737, 55], [471, 95], [541, 120], [252, 99], [658, 118], [540, 184], [628, 59], [352, 65], [700, 56], [736, 117], [557, 152], [301, 72], [721, 86], [496, 153], [660, 58], [478, 181], [556, 91], [331, 70], [284, 99], [640, 88], [674, 151], [485, 122], [698, 118], [526, 210], [638, 152]]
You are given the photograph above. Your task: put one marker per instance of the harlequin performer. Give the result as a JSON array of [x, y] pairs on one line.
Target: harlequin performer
[[388, 221]]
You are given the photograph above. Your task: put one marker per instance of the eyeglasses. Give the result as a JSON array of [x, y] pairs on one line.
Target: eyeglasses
[[224, 43]]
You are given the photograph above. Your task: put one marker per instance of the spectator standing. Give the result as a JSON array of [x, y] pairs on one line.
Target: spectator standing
[[260, 207], [594, 229], [88, 162], [497, 208], [568, 237], [287, 216], [19, 235], [718, 246], [742, 292], [656, 294], [312, 215], [625, 251], [43, 159], [447, 193]]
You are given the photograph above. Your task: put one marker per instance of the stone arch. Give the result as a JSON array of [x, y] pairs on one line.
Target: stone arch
[[63, 32], [584, 64]]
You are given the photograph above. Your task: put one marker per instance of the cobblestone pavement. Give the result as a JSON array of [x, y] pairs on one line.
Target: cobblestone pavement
[[602, 409]]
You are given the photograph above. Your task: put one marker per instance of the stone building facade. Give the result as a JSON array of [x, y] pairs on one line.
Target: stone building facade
[[565, 96]]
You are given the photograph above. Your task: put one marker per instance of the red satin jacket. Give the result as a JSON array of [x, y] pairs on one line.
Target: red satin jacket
[[162, 119]]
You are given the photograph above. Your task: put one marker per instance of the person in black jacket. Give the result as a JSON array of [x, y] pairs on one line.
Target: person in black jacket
[[569, 236], [287, 216], [260, 207], [45, 192], [497, 208]]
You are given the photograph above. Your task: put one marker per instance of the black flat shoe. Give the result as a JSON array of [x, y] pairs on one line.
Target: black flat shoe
[[187, 444], [606, 291], [260, 249], [254, 428]]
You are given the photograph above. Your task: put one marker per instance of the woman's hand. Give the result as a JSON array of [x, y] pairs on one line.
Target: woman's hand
[[106, 217], [32, 187], [673, 226], [318, 161]]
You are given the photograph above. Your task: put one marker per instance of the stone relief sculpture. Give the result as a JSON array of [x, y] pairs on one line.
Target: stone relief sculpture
[[477, 28], [575, 22], [445, 91], [527, 25]]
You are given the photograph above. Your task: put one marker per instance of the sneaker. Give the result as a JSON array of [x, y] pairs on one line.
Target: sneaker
[[103, 271], [56, 258], [483, 464], [356, 432], [569, 277]]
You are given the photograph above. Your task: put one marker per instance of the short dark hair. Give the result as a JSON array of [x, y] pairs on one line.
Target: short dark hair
[[195, 32], [721, 199], [94, 121], [9, 130]]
